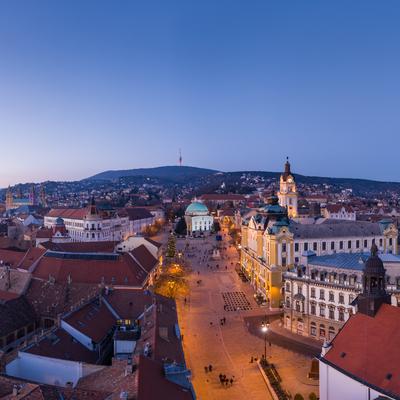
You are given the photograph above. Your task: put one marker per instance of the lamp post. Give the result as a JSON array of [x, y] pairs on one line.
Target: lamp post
[[264, 329]]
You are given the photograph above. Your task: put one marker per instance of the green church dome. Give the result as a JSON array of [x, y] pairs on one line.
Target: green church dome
[[196, 208]]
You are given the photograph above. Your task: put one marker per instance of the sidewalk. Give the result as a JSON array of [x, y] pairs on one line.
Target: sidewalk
[[280, 336]]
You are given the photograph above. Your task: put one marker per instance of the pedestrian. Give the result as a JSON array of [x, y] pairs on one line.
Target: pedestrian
[[210, 368], [231, 381], [251, 359], [206, 369], [211, 323], [220, 377], [185, 300]]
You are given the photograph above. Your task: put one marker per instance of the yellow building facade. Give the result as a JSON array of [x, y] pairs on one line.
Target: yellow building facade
[[267, 251]]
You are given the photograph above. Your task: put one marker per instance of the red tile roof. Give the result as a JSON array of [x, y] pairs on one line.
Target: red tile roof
[[6, 295], [60, 344], [33, 391], [69, 213], [153, 384], [50, 299], [137, 213], [93, 320], [369, 349], [44, 233], [81, 247], [15, 314], [112, 379], [31, 256], [145, 258], [335, 208], [13, 258], [122, 271], [129, 303]]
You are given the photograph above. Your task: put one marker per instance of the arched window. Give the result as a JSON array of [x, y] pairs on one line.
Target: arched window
[[287, 302], [322, 332], [331, 332], [313, 329]]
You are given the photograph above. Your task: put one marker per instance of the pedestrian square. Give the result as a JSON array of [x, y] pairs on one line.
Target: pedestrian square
[[234, 301]]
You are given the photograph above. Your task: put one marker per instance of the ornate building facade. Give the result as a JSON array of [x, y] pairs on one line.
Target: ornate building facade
[[320, 294], [90, 224], [272, 244], [267, 250]]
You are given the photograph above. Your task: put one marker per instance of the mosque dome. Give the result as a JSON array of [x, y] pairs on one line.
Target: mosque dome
[[196, 208]]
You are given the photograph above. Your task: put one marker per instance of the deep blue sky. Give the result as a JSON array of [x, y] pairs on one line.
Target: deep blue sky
[[92, 85]]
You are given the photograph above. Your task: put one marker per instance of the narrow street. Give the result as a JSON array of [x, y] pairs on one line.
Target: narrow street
[[229, 347]]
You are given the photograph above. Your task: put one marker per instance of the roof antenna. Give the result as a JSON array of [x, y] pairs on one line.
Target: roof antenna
[[180, 158]]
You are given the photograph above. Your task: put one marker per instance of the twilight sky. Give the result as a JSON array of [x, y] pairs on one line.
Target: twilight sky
[[87, 86]]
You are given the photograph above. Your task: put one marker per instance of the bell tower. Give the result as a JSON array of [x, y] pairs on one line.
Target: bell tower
[[287, 194], [374, 285]]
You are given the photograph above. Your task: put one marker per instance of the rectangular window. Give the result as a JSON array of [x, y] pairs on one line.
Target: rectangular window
[[322, 311], [283, 247], [365, 244], [341, 298], [341, 245], [357, 244], [331, 296], [305, 246], [323, 246], [331, 313], [332, 245], [322, 294], [313, 309], [283, 261], [349, 244], [315, 245], [380, 242], [296, 247], [312, 293]]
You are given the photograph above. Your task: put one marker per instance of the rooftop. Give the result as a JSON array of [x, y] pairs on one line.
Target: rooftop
[[353, 261], [368, 349]]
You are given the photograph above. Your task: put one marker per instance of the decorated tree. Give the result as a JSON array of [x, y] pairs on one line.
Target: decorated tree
[[171, 246]]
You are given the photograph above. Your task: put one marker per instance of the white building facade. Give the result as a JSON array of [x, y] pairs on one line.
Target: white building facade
[[319, 295], [198, 219], [90, 225]]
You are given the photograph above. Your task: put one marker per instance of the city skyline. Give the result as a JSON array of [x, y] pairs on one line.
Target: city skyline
[[90, 87]]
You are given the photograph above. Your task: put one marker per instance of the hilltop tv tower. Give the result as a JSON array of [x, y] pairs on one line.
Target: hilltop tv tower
[[180, 158]]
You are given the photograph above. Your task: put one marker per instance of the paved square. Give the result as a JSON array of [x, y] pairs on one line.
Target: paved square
[[234, 301]]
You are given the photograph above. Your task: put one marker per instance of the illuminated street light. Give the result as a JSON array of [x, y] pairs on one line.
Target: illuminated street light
[[264, 330]]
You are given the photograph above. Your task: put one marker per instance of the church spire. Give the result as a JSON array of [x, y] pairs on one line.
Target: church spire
[[374, 285]]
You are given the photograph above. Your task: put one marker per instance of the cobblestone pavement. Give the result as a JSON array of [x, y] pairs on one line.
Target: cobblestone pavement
[[229, 347]]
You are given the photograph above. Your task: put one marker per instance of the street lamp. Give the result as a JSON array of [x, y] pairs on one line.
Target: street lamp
[[264, 329]]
